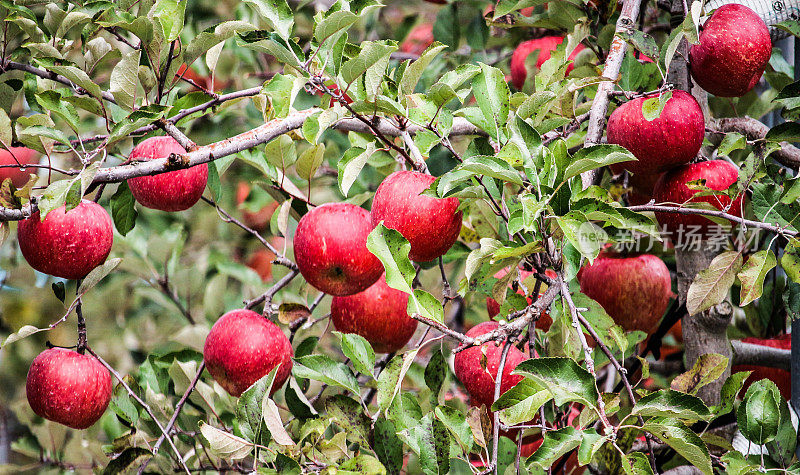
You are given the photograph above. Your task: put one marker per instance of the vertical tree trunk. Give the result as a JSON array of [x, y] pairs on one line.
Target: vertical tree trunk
[[705, 332]]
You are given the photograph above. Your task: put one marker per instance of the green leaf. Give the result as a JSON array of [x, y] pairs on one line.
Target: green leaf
[[555, 445], [730, 389], [212, 36], [491, 166], [363, 463], [436, 372], [596, 156], [249, 407], [636, 463], [414, 70], [785, 132], [360, 352], [670, 403], [563, 377], [430, 439], [51, 100], [653, 106], [372, 52], [732, 141], [323, 368], [138, 118], [224, 444], [711, 285], [351, 164], [708, 368], [683, 440], [493, 97], [277, 13], [349, 415], [387, 446], [790, 261], [758, 416], [328, 26], [123, 210], [521, 402], [97, 274], [170, 14], [392, 249], [456, 422], [130, 458], [309, 161], [285, 51], [54, 197], [753, 273], [74, 74], [24, 332], [390, 381], [125, 79]]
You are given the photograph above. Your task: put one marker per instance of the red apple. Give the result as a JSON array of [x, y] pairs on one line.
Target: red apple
[[493, 307], [67, 244], [330, 248], [67, 387], [733, 51], [781, 377], [202, 81], [672, 139], [430, 224], [476, 367], [671, 188], [243, 347], [418, 40], [257, 220], [378, 314], [261, 262], [17, 156], [642, 187], [634, 290], [545, 46], [172, 191]]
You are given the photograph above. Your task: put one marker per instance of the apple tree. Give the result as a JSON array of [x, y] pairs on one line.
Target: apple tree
[[425, 237]]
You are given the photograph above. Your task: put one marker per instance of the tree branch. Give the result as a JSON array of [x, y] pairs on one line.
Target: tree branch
[[597, 114], [758, 355], [752, 129], [719, 214], [42, 73]]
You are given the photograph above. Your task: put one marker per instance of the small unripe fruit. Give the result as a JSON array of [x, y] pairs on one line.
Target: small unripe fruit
[[67, 387], [67, 244], [430, 224], [672, 139], [243, 347], [172, 191], [477, 366], [378, 314], [330, 247]]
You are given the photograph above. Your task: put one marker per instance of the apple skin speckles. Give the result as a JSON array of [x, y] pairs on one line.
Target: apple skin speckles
[[330, 248], [430, 224], [172, 191], [243, 347], [67, 244], [734, 49], [69, 388]]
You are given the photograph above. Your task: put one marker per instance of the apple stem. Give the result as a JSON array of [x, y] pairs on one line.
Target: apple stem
[[82, 341]]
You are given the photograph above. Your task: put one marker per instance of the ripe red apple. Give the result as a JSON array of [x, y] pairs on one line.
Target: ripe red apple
[[330, 248], [257, 220], [418, 39], [781, 377], [671, 188], [733, 51], [202, 81], [378, 314], [261, 262], [476, 367], [67, 387], [672, 139], [67, 244], [17, 156], [493, 307], [634, 290], [172, 191], [545, 46], [243, 347], [642, 187], [430, 224]]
